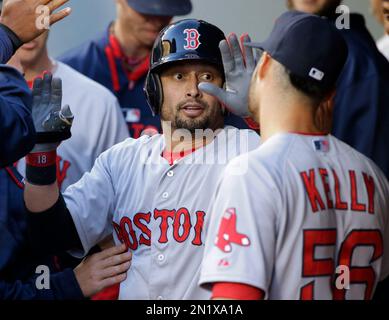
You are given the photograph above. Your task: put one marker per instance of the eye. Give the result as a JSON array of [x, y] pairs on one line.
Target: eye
[[206, 77], [178, 76]]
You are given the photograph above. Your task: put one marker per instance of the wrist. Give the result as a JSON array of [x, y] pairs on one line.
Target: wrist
[[41, 168]]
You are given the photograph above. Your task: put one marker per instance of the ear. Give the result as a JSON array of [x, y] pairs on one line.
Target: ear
[[263, 66], [330, 99]]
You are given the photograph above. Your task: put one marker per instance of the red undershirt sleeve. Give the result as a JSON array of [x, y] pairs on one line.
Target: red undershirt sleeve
[[237, 291]]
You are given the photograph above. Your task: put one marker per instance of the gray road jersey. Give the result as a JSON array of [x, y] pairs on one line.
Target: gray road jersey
[[158, 210]]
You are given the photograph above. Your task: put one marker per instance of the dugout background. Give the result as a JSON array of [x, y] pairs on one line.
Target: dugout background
[[90, 17]]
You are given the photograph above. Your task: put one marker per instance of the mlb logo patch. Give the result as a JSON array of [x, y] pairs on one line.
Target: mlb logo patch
[[322, 145], [131, 115]]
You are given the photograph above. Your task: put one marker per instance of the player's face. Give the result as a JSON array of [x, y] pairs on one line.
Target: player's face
[[321, 7], [30, 53], [184, 105], [144, 28]]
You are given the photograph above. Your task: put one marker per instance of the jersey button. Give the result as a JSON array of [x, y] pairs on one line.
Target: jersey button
[[165, 195], [161, 257], [170, 174]]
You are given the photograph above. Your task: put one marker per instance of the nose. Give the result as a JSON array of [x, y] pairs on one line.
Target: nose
[[192, 89]]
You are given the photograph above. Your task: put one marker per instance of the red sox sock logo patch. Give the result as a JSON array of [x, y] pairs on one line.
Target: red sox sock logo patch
[[192, 39], [228, 234]]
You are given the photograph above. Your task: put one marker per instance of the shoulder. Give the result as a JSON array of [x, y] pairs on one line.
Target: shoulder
[[79, 83], [81, 55], [131, 148], [246, 137], [265, 163]]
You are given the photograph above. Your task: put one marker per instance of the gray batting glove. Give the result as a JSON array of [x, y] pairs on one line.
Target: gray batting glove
[[238, 68], [52, 123]]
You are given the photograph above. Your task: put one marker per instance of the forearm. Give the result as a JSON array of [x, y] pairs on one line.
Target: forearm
[[9, 43], [63, 286], [41, 190], [50, 222], [52, 230], [40, 198]]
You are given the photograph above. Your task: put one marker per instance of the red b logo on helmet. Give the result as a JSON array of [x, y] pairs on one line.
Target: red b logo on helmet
[[192, 39]]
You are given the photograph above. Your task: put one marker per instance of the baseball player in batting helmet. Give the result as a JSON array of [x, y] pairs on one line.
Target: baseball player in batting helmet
[[181, 42]]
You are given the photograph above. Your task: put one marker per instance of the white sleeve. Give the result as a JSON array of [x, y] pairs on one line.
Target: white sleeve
[[113, 128], [240, 244], [90, 201]]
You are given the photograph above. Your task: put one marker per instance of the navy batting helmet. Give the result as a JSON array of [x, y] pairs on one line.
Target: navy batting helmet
[[188, 39], [162, 7]]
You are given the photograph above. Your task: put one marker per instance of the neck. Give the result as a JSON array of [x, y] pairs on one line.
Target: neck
[[285, 115], [129, 44], [31, 71], [178, 140]]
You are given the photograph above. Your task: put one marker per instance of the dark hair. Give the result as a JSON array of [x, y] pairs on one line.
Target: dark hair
[[311, 88]]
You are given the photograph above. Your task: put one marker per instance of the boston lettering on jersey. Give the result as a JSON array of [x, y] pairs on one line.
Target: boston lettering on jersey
[[324, 201], [178, 222]]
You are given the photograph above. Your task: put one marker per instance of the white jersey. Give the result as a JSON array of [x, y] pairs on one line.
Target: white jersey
[[98, 125], [308, 207], [158, 210], [383, 45]]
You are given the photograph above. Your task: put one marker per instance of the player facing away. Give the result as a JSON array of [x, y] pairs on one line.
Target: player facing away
[[309, 219], [152, 192]]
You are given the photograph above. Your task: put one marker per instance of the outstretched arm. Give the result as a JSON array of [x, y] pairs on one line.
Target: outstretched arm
[[23, 21], [239, 65], [52, 124], [92, 275], [41, 193]]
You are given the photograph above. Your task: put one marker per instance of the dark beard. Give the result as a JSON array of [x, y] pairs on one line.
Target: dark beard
[[191, 125]]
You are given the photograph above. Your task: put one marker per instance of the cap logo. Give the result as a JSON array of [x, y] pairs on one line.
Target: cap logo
[[192, 39], [316, 74]]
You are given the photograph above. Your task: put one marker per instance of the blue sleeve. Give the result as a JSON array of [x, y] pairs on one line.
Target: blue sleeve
[[16, 125], [361, 118], [63, 286], [6, 47]]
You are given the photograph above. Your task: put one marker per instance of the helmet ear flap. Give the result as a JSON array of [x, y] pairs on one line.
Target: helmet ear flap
[[154, 93]]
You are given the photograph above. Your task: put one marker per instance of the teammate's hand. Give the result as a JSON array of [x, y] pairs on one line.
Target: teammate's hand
[[52, 123], [238, 67], [23, 18], [103, 269]]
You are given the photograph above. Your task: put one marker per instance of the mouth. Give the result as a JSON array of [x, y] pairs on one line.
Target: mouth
[[192, 110]]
